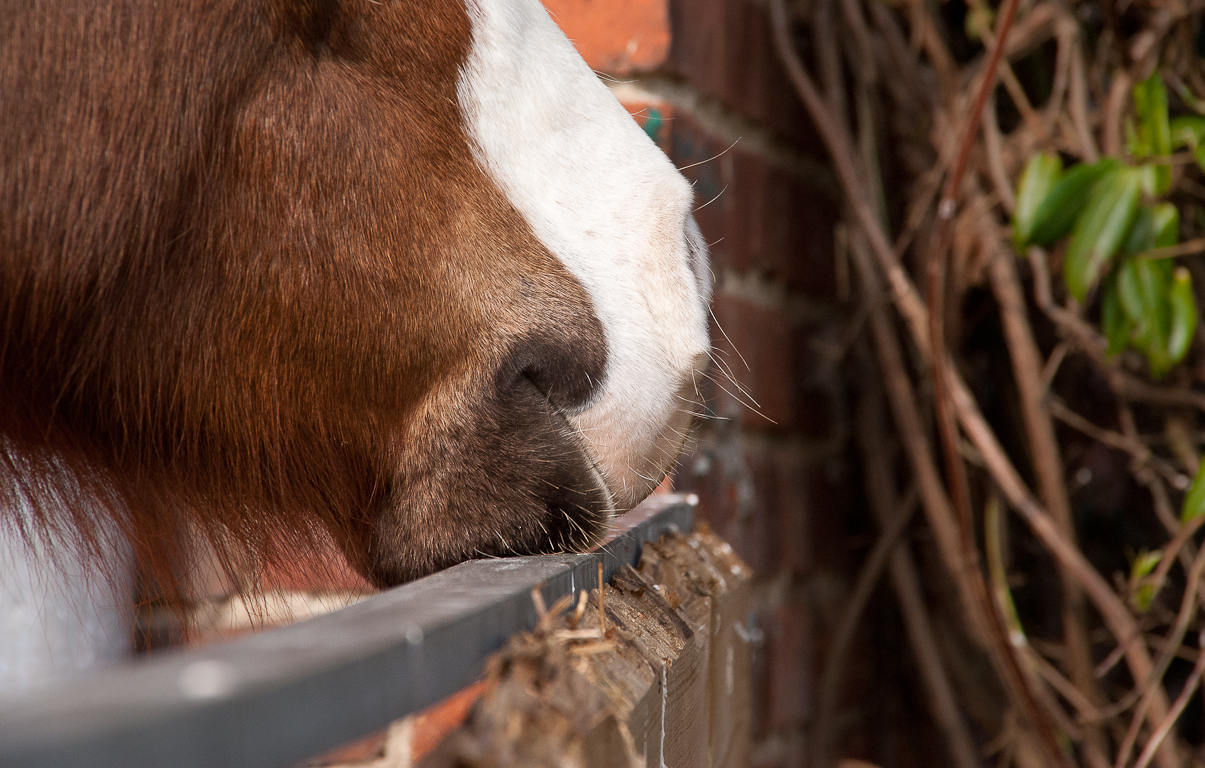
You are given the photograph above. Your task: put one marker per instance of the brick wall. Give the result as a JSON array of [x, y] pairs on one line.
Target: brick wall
[[773, 468]]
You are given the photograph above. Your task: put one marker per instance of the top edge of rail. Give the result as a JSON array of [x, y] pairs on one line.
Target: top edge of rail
[[272, 698]]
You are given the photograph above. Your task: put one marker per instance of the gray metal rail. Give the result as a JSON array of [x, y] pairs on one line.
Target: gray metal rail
[[277, 697]]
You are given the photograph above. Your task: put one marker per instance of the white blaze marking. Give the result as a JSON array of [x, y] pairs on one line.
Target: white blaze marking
[[608, 203]]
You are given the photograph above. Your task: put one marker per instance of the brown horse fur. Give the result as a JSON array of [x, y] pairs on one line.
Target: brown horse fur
[[253, 284]]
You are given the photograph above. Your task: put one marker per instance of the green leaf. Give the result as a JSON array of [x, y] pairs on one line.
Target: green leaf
[[1129, 291], [1155, 179], [1155, 226], [1142, 233], [1194, 500], [1058, 211], [1189, 131], [979, 21], [1142, 288], [1166, 219], [1040, 174], [1136, 145], [1101, 229], [1183, 315], [1150, 101], [1116, 323], [1144, 564], [1143, 292], [1142, 595]]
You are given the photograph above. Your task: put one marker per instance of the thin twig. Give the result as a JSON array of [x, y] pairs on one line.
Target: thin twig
[[842, 154], [906, 414], [1139, 452], [880, 491], [894, 525], [995, 163], [1116, 616], [1155, 743], [1173, 547], [1048, 467], [1186, 248], [1131, 388], [1118, 91], [1147, 689], [946, 418]]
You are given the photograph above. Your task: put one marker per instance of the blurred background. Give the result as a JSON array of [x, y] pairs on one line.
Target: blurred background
[[993, 559]]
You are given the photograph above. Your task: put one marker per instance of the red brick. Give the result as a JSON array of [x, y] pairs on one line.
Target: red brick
[[782, 497], [753, 346], [724, 48], [820, 388], [720, 475], [619, 36], [759, 679], [758, 215], [790, 655], [779, 511], [833, 511], [788, 228], [773, 363]]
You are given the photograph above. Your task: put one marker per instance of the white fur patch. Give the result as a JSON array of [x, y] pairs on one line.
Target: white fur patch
[[609, 204], [59, 614]]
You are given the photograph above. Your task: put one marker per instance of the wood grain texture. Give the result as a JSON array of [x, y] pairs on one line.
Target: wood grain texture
[[664, 683]]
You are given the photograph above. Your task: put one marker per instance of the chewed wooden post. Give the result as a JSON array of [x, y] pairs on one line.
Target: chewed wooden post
[[661, 678]]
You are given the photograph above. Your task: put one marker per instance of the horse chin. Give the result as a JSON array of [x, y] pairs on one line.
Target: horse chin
[[568, 521], [520, 480]]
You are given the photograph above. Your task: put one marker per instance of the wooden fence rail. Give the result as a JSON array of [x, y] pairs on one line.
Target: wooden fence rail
[[274, 698]]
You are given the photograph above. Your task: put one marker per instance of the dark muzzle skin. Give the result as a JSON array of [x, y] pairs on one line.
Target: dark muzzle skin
[[510, 474]]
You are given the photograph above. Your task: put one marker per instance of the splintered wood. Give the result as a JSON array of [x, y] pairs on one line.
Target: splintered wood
[[654, 672]]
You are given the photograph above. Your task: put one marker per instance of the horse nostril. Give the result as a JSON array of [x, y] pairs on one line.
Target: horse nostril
[[566, 367], [564, 389]]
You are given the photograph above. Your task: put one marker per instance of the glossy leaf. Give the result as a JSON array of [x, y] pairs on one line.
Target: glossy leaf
[[1155, 179], [1150, 101], [1101, 229], [1166, 219], [1143, 593], [1144, 564], [1116, 324], [1058, 211], [1136, 145], [1143, 287], [1039, 176], [1155, 226], [1153, 322], [1194, 500], [1183, 315], [1189, 131]]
